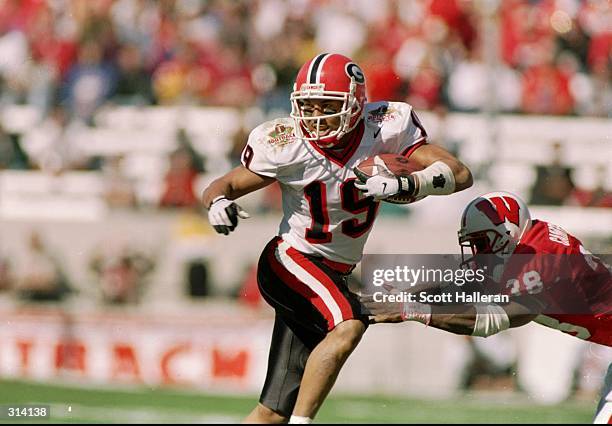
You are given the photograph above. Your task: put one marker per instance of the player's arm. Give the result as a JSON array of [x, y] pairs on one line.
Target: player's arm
[[442, 174], [234, 184], [437, 161], [474, 320], [482, 320], [218, 198]]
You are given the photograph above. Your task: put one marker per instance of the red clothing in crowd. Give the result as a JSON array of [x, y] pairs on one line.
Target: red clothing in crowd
[[546, 91]]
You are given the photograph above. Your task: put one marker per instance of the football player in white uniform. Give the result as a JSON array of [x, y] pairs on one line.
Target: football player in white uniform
[[302, 272]]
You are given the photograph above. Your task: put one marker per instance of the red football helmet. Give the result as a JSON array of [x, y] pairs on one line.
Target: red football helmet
[[334, 77]]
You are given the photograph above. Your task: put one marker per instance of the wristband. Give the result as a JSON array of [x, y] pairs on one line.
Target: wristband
[[414, 311], [407, 185], [437, 179], [218, 198], [490, 319]]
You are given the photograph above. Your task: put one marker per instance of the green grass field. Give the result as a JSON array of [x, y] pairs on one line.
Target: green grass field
[[78, 405]]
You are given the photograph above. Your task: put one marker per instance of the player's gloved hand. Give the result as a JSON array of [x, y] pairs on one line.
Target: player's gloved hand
[[379, 186], [223, 215], [386, 184]]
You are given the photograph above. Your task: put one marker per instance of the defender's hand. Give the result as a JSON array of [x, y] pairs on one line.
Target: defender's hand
[[382, 312], [389, 312], [223, 215]]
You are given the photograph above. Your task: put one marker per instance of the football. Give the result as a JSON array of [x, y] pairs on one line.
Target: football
[[383, 164]]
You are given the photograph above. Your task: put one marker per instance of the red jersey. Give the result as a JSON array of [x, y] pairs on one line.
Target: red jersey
[[574, 286]]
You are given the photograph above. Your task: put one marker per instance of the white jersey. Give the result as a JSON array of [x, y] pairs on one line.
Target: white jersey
[[324, 214]]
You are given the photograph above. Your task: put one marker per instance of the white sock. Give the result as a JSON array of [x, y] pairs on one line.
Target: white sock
[[299, 420]]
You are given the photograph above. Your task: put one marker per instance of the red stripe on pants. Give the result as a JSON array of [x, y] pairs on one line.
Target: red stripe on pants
[[320, 276], [299, 287]]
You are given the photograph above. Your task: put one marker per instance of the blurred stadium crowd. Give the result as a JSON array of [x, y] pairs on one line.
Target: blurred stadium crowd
[[67, 59], [554, 55]]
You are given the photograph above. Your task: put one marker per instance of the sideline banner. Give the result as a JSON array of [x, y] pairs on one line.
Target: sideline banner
[[129, 349]]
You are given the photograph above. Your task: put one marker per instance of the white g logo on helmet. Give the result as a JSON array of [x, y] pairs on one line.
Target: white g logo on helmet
[[353, 70]]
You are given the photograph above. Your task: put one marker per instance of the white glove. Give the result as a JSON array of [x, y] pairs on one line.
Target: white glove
[[386, 184], [223, 215], [379, 186]]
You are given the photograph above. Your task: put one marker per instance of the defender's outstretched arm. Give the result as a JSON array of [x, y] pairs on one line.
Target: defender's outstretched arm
[[482, 320]]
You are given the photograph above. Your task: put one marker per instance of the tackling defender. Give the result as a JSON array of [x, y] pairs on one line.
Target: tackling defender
[[549, 275], [302, 272]]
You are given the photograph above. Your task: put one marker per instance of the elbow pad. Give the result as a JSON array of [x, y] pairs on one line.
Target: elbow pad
[[490, 319], [437, 179]]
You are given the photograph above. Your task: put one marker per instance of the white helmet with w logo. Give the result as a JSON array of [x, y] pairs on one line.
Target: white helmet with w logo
[[493, 223]]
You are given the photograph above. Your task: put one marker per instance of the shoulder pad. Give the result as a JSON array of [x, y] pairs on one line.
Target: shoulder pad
[[275, 134], [382, 112]]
